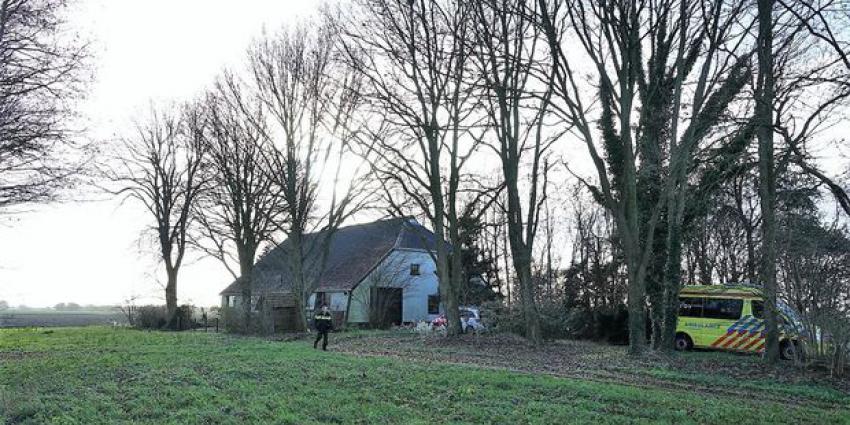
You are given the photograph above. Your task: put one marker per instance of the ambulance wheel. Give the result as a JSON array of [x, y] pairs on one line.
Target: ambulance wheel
[[683, 342], [787, 350]]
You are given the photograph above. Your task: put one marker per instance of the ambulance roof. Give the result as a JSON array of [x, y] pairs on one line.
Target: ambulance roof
[[722, 290]]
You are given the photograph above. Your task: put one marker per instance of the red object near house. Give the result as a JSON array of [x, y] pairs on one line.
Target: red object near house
[[440, 321]]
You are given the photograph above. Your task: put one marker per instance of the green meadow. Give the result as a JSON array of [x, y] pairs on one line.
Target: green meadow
[[103, 375]]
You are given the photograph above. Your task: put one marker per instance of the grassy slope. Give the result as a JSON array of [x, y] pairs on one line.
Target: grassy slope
[[101, 375]]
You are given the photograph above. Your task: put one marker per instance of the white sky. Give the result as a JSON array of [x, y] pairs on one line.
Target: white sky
[[151, 50]]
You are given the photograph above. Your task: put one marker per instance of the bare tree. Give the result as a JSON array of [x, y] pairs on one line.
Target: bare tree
[[812, 78], [311, 102], [594, 277], [649, 140], [719, 80], [129, 309], [814, 276], [160, 166], [41, 72], [506, 55], [722, 232], [242, 208], [804, 74], [414, 60], [764, 95]]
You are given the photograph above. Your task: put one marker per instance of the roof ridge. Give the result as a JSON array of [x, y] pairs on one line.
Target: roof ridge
[[368, 223]]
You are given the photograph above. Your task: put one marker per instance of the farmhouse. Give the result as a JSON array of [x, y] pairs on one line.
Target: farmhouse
[[378, 274]]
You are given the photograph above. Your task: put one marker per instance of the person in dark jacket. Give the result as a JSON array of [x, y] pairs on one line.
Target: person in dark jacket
[[324, 324]]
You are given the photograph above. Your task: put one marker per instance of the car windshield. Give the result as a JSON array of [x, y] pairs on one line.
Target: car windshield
[[788, 316]]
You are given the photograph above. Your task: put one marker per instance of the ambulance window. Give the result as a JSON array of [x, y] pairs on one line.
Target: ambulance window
[[722, 309], [690, 307], [758, 309]]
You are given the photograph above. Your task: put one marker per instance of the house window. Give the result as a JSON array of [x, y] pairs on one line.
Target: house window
[[231, 300], [434, 304], [414, 269]]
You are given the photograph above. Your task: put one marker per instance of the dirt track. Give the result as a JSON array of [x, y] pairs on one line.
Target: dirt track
[[590, 361]]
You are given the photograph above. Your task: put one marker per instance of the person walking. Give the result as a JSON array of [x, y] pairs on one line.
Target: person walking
[[324, 324]]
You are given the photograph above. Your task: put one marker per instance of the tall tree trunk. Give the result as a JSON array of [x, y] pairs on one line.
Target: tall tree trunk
[[522, 264], [521, 253], [299, 283], [636, 306], [672, 283], [751, 254], [300, 300], [448, 291], [530, 314], [457, 275], [634, 250], [673, 266], [171, 297], [656, 286], [300, 311], [767, 173], [509, 279], [246, 274]]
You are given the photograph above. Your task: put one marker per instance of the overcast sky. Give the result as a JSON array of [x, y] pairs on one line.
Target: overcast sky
[[151, 50]]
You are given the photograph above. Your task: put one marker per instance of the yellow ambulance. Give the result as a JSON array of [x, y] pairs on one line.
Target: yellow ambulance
[[723, 317]]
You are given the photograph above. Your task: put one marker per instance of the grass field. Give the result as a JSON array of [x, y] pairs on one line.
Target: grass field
[[50, 318], [104, 375]]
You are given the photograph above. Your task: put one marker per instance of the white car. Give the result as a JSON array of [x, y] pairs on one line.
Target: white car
[[470, 319]]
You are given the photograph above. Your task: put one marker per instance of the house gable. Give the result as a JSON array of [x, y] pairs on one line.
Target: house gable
[[395, 272]]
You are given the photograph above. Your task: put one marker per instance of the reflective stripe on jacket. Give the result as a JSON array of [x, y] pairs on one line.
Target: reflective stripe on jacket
[[323, 322]]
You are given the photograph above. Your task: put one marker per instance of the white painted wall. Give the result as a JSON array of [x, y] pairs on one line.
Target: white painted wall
[[394, 271]]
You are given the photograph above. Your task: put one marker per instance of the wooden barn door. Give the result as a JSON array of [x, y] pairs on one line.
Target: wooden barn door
[[284, 319], [385, 307]]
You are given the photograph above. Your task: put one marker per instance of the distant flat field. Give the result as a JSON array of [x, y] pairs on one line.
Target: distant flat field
[[47, 318], [100, 375]]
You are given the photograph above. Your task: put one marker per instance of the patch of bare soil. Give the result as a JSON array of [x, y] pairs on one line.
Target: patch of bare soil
[[290, 336], [589, 361], [19, 355]]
